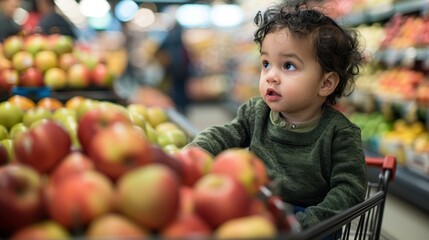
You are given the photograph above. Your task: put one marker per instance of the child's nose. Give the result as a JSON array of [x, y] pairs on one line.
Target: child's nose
[[273, 77]]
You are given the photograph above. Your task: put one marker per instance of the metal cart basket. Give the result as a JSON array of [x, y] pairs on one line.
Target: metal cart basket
[[364, 220]]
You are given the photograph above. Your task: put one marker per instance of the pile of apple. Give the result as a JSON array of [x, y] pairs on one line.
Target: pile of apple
[[120, 183], [55, 61]]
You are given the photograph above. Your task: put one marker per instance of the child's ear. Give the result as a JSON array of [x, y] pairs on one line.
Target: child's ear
[[329, 83]]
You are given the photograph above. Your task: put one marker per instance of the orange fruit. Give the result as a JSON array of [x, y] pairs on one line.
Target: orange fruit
[[74, 102], [49, 103], [24, 103]]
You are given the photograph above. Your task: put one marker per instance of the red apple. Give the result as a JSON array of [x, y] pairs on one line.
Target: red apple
[[35, 43], [186, 200], [20, 197], [47, 229], [43, 146], [31, 77], [12, 45], [67, 60], [116, 226], [45, 60], [149, 195], [61, 44], [55, 78], [118, 149], [79, 199], [195, 162], [74, 163], [243, 165], [187, 226], [22, 60], [101, 75], [5, 63], [78, 76], [94, 119], [8, 78], [219, 198]]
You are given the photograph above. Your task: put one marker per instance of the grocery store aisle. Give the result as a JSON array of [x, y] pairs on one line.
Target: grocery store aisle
[[402, 221]]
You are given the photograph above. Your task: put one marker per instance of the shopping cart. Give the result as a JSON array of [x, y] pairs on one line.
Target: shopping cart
[[362, 221]]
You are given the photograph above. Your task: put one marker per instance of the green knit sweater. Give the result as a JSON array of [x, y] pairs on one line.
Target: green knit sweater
[[323, 170]]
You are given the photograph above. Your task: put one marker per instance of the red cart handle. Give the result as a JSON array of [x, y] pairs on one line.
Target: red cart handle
[[386, 163]]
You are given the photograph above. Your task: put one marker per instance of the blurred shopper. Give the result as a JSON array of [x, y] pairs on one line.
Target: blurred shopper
[[52, 22], [8, 26], [174, 57]]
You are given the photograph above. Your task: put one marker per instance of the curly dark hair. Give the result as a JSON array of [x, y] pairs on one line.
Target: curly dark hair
[[337, 48]]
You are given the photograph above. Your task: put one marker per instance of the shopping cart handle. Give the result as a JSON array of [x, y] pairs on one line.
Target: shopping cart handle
[[387, 162]]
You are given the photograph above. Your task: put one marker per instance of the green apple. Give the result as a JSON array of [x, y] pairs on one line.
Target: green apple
[[156, 115], [139, 108], [86, 105], [63, 114], [165, 126], [172, 136], [151, 133], [8, 144], [137, 119], [111, 105], [4, 134], [17, 129], [171, 149], [10, 114], [34, 114]]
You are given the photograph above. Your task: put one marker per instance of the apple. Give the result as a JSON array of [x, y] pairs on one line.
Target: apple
[[20, 197], [4, 133], [45, 60], [31, 77], [77, 200], [12, 45], [138, 108], [5, 63], [196, 162], [72, 164], [10, 114], [22, 60], [34, 114], [63, 114], [151, 133], [17, 129], [118, 149], [187, 226], [243, 165], [8, 144], [43, 146], [89, 59], [248, 227], [156, 115], [23, 102], [93, 120], [78, 76], [4, 155], [67, 60], [101, 75], [42, 230], [85, 105], [149, 195], [61, 44], [55, 78], [213, 195], [171, 149], [8, 78], [35, 43], [186, 200], [174, 136], [113, 225], [166, 126]]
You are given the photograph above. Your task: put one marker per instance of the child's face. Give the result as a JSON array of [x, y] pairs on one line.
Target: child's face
[[291, 77]]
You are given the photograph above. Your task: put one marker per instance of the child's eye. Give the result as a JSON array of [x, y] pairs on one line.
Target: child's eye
[[289, 67], [265, 64]]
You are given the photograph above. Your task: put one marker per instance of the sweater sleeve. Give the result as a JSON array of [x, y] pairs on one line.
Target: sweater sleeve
[[233, 134], [348, 178]]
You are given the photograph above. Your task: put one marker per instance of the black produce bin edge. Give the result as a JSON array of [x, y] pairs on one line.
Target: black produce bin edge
[[408, 186]]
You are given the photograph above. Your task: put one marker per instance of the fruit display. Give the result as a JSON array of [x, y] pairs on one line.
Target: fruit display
[[53, 61], [90, 168]]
